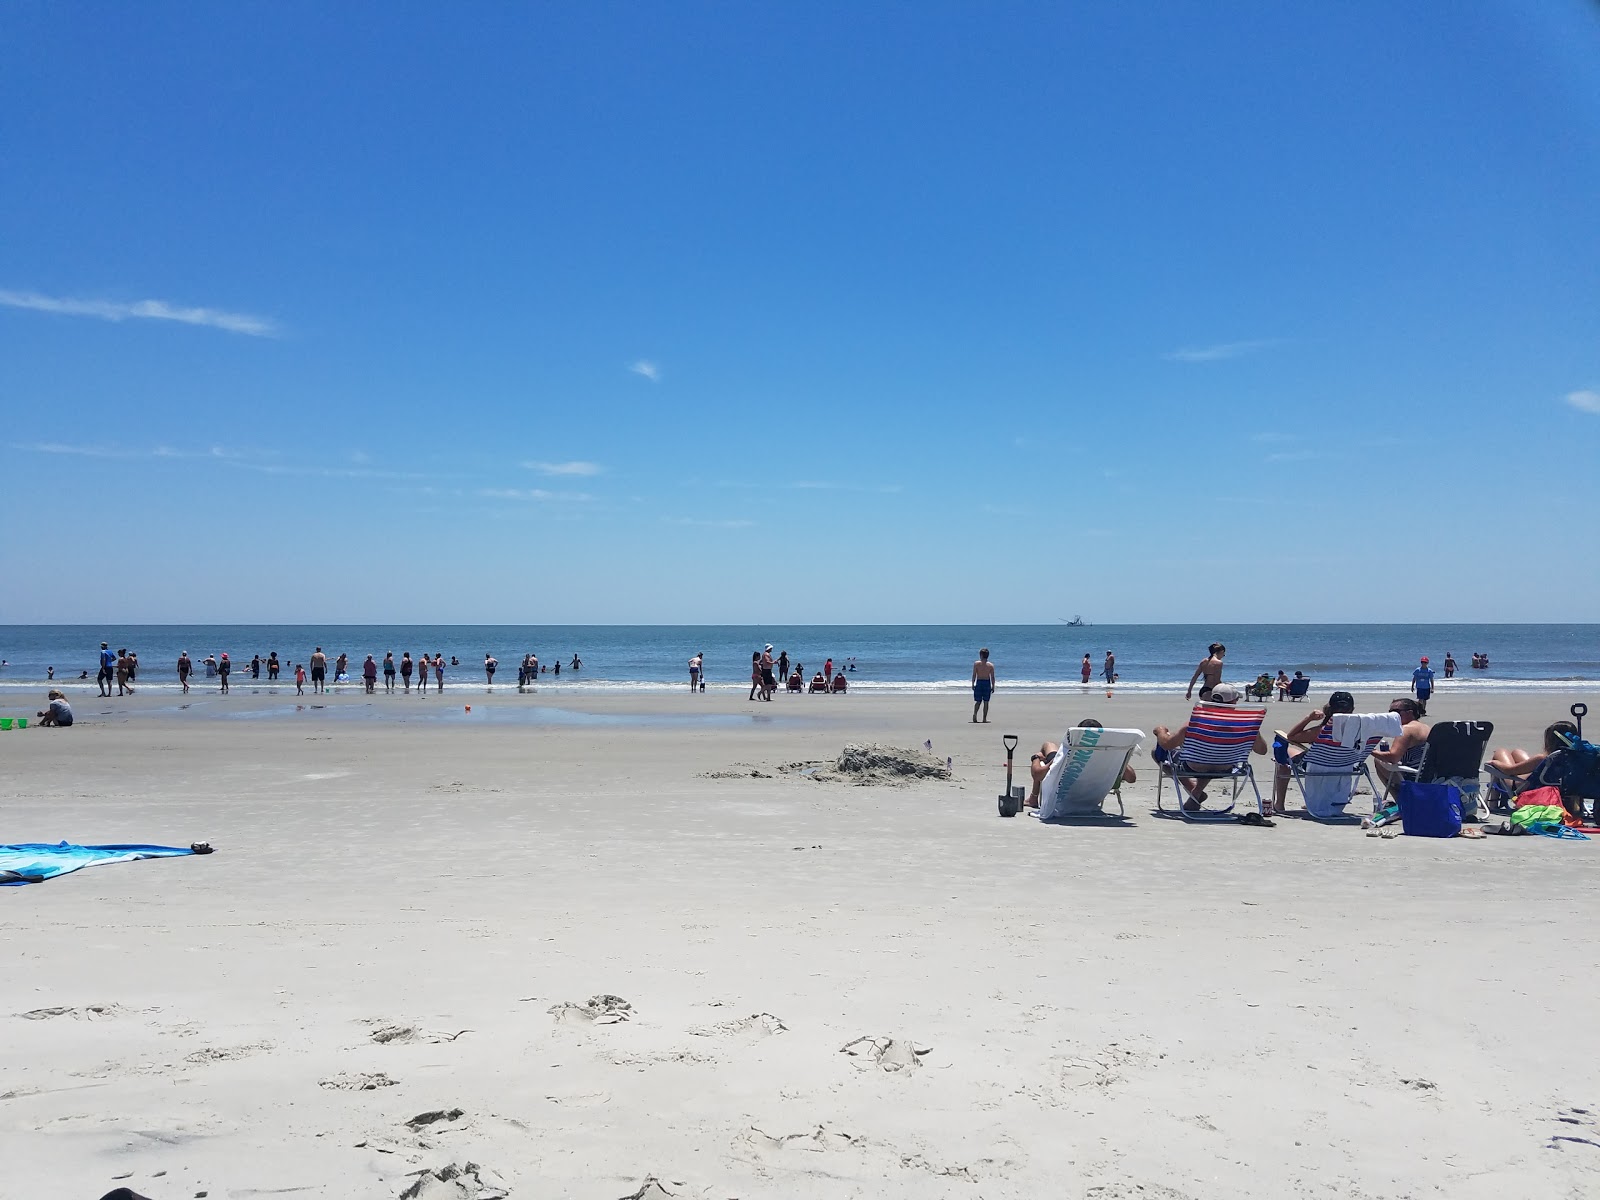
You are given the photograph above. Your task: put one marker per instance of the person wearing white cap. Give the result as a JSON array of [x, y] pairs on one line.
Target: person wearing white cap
[[768, 683], [1168, 741]]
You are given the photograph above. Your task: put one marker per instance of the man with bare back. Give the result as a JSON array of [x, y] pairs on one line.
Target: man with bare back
[[982, 685]]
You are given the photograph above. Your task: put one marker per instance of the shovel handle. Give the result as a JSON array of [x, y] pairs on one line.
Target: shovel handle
[[1009, 740]]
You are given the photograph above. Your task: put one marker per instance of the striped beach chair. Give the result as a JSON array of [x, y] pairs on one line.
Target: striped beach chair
[[1216, 747], [1327, 773]]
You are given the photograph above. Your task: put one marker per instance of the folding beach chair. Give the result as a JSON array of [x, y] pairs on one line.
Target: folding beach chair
[[1298, 688], [1327, 774], [1217, 746], [1087, 769], [1453, 754]]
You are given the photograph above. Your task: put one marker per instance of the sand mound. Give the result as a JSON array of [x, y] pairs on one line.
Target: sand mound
[[873, 764]]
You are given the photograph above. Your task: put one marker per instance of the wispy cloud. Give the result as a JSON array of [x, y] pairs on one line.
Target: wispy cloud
[[1274, 438], [564, 468], [1585, 400], [1219, 352], [215, 452], [531, 494], [140, 310], [708, 524], [648, 369]]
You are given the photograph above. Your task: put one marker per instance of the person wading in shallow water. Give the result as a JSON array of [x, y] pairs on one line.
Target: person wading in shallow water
[[982, 685]]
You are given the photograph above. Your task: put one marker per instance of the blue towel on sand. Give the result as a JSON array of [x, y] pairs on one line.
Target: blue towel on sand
[[34, 862]]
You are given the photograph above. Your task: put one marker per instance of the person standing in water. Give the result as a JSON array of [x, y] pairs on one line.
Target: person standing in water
[[490, 662], [695, 664], [982, 685], [1211, 668], [1086, 668], [185, 669], [1110, 668], [319, 671]]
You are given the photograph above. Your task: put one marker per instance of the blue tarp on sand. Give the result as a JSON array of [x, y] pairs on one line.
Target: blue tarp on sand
[[34, 862]]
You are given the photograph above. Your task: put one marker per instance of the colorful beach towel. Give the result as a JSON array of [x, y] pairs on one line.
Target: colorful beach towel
[[34, 862]]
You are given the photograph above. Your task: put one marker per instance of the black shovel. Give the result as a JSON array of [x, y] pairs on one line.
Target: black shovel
[[1009, 807]]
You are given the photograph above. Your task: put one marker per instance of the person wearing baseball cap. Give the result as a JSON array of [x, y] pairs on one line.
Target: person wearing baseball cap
[[1422, 680], [1168, 741]]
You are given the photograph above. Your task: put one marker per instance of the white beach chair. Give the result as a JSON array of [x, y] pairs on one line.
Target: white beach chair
[[1087, 769]]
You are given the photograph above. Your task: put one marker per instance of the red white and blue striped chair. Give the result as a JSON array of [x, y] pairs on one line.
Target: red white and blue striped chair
[[1216, 746], [1327, 774]]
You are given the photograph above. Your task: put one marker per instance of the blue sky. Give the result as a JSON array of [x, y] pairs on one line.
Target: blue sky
[[714, 312]]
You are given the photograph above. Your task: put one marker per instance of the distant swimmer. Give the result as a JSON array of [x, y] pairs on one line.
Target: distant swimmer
[[1211, 669], [577, 663], [1449, 665], [982, 685]]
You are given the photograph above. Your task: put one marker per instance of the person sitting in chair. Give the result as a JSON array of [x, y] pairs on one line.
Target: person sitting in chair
[[1407, 749], [1519, 764], [839, 683], [818, 683], [1039, 766], [1315, 726], [1282, 684], [796, 684], [1169, 740]]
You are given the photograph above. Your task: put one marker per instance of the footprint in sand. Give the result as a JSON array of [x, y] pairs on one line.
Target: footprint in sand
[[211, 1054], [387, 1034], [358, 1083], [888, 1054], [89, 1012], [600, 1010], [755, 1027]]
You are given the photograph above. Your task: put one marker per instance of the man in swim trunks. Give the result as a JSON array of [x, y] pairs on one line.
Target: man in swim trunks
[[185, 668], [982, 685], [319, 671], [695, 664], [1110, 669], [1422, 681], [108, 664], [1211, 668]]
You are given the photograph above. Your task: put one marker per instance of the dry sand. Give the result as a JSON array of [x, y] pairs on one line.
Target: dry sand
[[408, 918]]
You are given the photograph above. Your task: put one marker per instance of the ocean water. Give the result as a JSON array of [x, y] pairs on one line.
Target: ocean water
[[889, 657]]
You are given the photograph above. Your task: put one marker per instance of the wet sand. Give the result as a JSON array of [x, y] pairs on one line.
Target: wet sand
[[403, 893]]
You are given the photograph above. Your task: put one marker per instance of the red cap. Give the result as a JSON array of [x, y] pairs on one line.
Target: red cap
[[1424, 658]]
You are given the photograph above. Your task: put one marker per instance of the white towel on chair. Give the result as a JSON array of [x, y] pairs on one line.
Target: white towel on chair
[[1354, 729]]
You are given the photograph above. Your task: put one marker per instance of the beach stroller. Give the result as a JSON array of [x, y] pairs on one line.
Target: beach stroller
[[1087, 769], [1454, 755], [1216, 746], [1328, 771]]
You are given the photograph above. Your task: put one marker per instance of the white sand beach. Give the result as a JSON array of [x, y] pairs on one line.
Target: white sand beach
[[1155, 1010]]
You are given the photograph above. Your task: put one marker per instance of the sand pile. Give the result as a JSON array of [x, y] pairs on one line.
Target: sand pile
[[872, 764]]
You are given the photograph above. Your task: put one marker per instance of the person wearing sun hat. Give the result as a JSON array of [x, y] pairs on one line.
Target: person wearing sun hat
[[1422, 680]]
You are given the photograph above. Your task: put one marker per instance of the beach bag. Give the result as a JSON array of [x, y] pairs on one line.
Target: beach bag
[[1430, 809], [1533, 815]]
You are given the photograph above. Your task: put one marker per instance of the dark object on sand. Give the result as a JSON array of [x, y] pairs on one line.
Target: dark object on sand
[[1008, 800], [123, 1194]]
